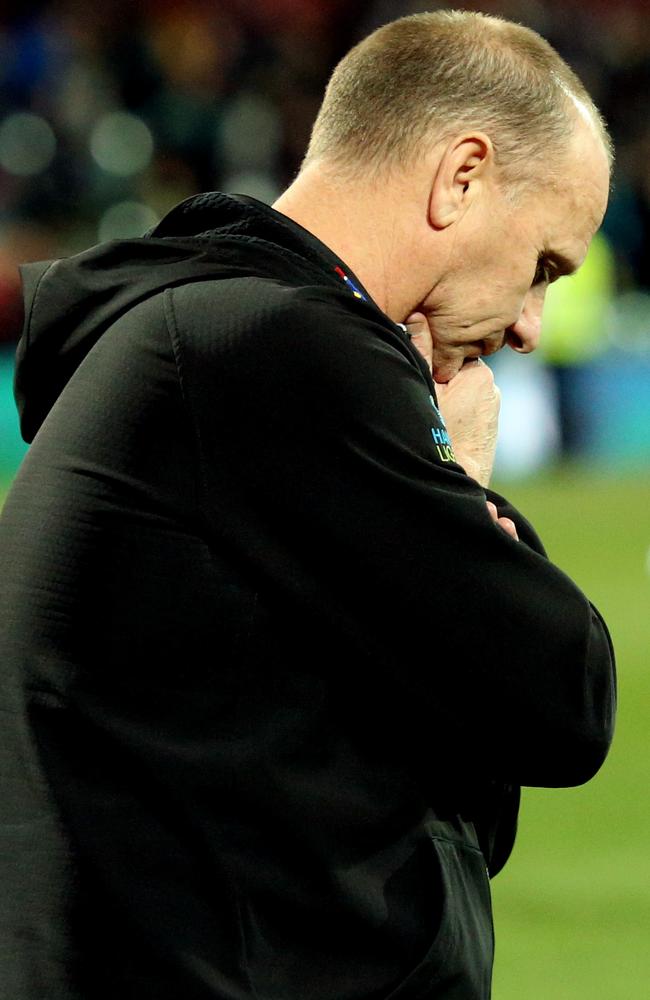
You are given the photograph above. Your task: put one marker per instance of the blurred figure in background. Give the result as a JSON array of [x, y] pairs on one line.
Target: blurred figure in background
[[577, 317]]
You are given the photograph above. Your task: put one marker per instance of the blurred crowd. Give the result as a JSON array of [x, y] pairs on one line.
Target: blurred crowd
[[111, 112]]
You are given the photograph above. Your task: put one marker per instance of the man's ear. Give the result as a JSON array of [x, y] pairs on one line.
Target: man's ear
[[465, 162]]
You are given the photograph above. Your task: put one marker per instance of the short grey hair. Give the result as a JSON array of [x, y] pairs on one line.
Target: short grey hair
[[424, 77]]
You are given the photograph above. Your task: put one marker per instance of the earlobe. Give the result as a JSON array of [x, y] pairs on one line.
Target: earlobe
[[464, 162]]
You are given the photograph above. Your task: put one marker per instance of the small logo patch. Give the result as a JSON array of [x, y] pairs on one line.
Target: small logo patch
[[441, 439]]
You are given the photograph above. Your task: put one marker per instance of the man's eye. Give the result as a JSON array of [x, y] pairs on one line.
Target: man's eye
[[543, 274]]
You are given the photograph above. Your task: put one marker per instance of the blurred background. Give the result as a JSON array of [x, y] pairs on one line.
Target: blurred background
[[110, 113]]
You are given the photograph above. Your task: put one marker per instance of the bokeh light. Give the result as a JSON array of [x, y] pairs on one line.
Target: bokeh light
[[250, 133], [27, 144], [255, 184], [126, 220], [121, 143]]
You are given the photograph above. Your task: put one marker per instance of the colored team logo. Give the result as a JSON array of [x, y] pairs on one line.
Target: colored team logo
[[441, 439]]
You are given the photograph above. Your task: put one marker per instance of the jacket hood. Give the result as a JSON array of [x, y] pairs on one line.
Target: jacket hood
[[69, 303]]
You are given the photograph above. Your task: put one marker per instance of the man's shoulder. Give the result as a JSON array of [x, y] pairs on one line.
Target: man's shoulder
[[260, 312], [257, 298], [290, 348]]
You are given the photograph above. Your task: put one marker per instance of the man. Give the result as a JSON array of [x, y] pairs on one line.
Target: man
[[272, 674]]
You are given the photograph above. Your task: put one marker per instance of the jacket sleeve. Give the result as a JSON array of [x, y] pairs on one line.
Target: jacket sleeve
[[323, 462]]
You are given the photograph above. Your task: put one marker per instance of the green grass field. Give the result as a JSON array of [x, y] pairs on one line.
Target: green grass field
[[572, 908]]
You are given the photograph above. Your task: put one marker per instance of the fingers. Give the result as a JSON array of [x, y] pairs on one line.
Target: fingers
[[505, 523], [420, 336], [509, 527]]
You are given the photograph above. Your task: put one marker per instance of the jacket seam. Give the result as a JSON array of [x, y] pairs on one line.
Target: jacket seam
[[29, 317], [171, 325], [462, 844]]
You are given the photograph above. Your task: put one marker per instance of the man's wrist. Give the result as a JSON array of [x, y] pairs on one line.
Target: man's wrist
[[480, 471]]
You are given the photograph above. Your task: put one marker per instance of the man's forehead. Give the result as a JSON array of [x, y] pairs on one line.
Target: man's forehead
[[589, 166], [590, 196], [574, 210]]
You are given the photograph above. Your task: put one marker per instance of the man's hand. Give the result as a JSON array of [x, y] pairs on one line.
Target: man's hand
[[469, 403], [506, 523]]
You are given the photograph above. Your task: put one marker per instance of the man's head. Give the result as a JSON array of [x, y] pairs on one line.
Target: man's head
[[457, 165], [494, 257]]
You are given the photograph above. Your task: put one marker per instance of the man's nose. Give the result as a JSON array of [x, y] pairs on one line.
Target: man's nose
[[523, 336]]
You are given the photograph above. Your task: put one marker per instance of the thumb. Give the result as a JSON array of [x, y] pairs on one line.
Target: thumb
[[420, 335]]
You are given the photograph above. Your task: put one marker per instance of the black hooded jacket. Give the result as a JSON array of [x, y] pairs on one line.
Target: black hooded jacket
[[271, 675]]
